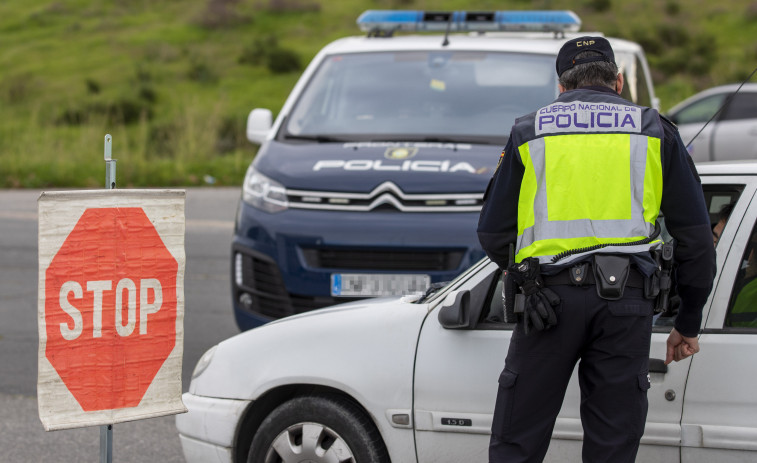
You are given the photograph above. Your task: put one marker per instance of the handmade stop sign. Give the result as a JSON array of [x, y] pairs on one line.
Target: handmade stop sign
[[111, 306]]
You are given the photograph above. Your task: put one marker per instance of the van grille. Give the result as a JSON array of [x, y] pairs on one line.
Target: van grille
[[386, 196]]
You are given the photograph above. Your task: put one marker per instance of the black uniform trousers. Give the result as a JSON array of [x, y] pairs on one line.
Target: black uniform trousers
[[610, 342]]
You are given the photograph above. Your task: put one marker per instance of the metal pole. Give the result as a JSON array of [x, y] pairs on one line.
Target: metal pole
[[110, 165], [106, 430], [106, 443]]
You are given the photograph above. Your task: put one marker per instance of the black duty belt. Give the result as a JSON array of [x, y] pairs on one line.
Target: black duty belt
[[635, 278]]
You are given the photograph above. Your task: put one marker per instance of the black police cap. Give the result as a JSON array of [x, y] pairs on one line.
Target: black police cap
[[566, 58]]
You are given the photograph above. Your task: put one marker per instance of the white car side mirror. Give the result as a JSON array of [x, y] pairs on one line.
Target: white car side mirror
[[455, 311], [259, 123]]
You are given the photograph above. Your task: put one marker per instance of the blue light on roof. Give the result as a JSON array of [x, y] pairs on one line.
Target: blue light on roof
[[388, 21]]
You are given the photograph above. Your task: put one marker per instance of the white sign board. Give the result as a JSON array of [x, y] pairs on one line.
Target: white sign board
[[110, 306]]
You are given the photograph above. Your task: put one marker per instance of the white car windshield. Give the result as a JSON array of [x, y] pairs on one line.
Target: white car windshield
[[447, 96]]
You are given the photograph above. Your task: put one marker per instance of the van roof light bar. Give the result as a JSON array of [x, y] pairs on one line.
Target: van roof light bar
[[386, 22]]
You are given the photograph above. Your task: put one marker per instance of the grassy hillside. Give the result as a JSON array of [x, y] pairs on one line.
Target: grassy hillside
[[173, 80]]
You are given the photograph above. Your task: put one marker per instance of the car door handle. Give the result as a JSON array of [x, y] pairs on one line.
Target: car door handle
[[657, 366]]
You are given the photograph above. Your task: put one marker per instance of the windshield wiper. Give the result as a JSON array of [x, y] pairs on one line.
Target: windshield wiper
[[316, 138], [462, 140], [442, 139], [433, 288]]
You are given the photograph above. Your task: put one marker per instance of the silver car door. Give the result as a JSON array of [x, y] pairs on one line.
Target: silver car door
[[693, 120], [735, 135]]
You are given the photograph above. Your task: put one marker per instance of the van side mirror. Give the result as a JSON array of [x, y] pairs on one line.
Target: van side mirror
[[259, 123], [455, 313]]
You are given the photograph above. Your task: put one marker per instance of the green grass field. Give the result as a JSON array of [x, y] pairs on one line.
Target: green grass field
[[173, 80]]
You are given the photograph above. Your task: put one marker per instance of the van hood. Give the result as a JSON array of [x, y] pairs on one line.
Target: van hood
[[415, 167]]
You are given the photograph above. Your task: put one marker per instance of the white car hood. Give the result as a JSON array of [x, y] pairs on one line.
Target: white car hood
[[365, 348]]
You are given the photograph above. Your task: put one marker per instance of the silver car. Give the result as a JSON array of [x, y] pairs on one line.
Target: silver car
[[732, 133]]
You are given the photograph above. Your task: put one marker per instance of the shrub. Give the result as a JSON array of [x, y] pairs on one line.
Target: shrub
[[93, 87], [301, 6], [162, 140], [125, 111], [600, 6], [267, 51], [221, 14], [17, 88], [148, 94], [672, 8], [646, 37], [282, 60], [229, 135], [255, 54], [202, 73], [673, 35]]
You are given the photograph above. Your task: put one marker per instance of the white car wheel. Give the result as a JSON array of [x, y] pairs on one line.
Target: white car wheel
[[317, 429], [309, 442]]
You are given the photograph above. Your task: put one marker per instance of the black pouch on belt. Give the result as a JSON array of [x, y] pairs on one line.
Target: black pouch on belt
[[610, 275]]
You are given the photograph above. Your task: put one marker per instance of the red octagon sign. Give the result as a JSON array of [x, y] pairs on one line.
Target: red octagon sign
[[110, 308]]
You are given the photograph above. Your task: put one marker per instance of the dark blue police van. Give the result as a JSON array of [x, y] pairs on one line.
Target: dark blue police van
[[370, 180]]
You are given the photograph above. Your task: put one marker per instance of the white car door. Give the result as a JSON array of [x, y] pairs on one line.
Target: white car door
[[455, 382], [735, 134], [720, 406]]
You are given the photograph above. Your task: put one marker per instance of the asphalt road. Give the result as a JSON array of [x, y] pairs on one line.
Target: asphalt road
[[208, 319]]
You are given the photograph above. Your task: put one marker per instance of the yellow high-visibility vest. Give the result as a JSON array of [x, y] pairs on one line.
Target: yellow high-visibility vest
[[593, 175]]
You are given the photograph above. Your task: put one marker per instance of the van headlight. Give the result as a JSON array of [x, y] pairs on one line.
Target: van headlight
[[263, 193]]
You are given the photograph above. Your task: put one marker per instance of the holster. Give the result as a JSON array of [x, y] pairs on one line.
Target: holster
[[652, 284], [509, 290], [665, 269], [610, 275], [533, 303]]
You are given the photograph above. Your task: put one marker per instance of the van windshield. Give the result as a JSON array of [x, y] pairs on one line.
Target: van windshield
[[448, 96]]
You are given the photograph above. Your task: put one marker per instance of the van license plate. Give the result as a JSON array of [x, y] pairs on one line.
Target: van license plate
[[380, 284]]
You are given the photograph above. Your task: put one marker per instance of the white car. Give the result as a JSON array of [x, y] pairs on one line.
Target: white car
[[731, 135], [415, 379]]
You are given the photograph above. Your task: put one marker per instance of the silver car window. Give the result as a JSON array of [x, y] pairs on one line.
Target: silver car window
[[742, 106], [699, 111]]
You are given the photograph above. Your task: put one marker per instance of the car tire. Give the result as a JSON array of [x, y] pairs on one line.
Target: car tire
[[317, 429]]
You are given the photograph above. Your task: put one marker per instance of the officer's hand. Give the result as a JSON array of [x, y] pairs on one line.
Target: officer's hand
[[680, 347]]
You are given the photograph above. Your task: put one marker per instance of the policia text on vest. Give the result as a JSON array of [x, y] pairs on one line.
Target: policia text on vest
[[579, 115], [585, 186]]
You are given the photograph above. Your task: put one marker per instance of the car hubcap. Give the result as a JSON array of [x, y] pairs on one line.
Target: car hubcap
[[309, 443]]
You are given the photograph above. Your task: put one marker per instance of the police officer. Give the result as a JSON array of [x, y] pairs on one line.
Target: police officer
[[578, 190]]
